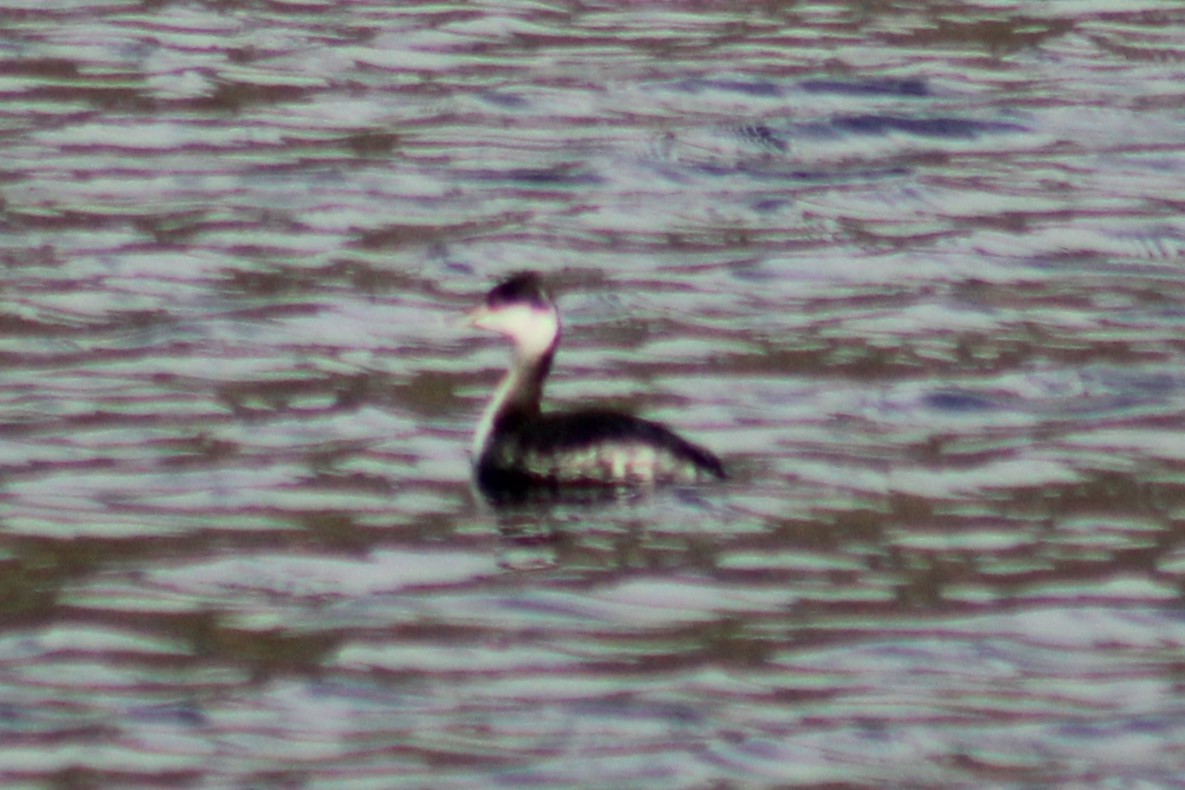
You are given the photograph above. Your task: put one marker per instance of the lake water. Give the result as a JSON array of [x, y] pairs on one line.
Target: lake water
[[916, 271]]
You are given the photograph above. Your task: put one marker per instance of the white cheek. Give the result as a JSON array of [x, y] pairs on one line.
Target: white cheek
[[532, 330]]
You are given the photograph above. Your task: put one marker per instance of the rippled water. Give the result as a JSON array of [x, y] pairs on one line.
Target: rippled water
[[914, 270]]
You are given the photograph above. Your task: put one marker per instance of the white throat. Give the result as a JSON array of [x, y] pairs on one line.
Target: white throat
[[535, 332]]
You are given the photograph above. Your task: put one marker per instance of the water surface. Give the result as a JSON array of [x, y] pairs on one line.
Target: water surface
[[915, 271]]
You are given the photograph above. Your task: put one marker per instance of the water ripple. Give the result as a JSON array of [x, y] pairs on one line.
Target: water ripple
[[913, 272]]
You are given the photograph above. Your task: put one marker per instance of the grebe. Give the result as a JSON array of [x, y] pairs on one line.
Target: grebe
[[518, 450]]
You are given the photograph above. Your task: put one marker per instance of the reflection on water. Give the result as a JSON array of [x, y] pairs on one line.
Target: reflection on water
[[914, 272]]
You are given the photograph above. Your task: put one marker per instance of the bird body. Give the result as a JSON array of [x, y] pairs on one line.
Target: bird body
[[518, 448]]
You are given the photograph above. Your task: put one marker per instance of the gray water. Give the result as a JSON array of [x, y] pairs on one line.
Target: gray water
[[915, 270]]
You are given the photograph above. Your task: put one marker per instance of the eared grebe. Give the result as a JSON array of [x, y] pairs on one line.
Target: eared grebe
[[518, 450]]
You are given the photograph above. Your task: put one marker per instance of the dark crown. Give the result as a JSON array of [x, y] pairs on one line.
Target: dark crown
[[522, 287]]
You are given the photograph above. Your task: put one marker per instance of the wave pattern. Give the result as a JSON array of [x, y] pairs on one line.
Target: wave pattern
[[914, 271]]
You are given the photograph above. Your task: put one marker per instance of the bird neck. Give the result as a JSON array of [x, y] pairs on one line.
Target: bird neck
[[518, 396]]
